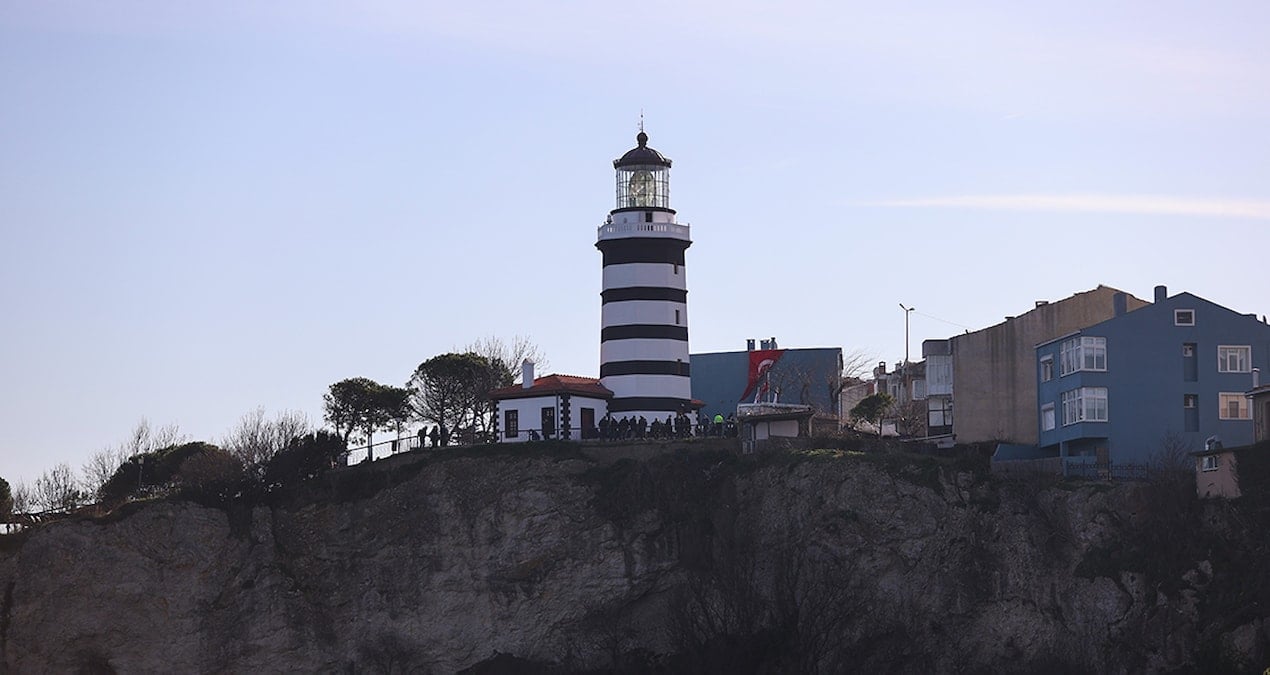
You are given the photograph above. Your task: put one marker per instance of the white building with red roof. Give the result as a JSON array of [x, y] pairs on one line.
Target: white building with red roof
[[554, 406]]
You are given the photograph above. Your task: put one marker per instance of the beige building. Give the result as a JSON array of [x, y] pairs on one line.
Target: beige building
[[992, 392], [1216, 474], [1259, 401]]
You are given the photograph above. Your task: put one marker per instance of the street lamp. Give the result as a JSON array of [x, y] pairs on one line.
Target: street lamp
[[907, 311]]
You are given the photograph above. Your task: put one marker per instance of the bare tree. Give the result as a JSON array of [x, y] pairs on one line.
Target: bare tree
[[256, 438], [856, 364], [143, 439], [509, 357], [101, 465], [910, 418], [57, 490], [23, 499]]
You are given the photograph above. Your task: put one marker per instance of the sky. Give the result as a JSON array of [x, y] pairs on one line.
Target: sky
[[206, 208]]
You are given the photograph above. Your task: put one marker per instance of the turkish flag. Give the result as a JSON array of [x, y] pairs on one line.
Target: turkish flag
[[761, 361]]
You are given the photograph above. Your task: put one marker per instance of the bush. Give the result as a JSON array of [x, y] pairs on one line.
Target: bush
[[304, 458], [155, 473], [211, 476]]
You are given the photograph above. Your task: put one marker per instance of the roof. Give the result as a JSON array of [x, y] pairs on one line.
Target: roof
[[641, 155], [749, 412], [550, 385]]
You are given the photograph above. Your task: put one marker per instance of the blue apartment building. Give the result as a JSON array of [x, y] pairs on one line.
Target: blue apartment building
[[1173, 371]]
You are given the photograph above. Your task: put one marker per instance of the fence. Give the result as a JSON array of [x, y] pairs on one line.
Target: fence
[[1069, 467]]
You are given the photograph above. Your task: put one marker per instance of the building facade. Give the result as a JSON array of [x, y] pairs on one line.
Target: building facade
[[811, 376], [644, 313], [1259, 401], [1168, 377], [992, 384]]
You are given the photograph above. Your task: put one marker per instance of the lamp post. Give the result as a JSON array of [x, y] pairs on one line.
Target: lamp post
[[907, 311]]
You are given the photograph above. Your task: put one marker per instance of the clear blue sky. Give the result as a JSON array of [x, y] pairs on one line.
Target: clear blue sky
[[209, 207]]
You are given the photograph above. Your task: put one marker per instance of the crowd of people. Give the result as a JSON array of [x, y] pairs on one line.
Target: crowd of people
[[675, 426]]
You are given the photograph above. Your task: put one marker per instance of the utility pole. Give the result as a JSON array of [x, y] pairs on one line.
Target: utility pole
[[907, 311]]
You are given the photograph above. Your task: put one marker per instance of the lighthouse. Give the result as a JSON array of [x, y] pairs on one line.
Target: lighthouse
[[644, 310]]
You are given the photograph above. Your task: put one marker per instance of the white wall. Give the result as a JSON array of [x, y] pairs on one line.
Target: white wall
[[658, 275], [530, 414]]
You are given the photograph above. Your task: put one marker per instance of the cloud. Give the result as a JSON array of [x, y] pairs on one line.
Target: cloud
[[1129, 204]]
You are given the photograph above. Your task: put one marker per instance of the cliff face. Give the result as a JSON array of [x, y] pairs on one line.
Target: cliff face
[[685, 562]]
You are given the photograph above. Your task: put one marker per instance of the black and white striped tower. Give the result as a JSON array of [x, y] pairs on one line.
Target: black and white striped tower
[[644, 315]]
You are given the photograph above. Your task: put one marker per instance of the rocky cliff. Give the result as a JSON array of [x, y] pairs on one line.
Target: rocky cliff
[[686, 562]]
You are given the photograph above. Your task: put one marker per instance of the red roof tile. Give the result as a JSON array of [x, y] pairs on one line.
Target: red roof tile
[[555, 384]]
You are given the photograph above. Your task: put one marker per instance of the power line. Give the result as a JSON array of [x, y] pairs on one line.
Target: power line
[[951, 323]]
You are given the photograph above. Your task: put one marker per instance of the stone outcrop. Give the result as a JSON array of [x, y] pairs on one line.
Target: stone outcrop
[[812, 561]]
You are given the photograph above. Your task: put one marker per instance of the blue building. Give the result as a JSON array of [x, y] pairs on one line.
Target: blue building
[[804, 376], [1174, 372]]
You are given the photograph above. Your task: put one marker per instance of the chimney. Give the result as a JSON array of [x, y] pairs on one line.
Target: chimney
[[772, 341], [1120, 302], [526, 373], [1161, 293], [749, 345]]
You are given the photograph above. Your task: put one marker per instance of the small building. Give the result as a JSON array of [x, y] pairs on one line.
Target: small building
[[1216, 472], [555, 406], [760, 422]]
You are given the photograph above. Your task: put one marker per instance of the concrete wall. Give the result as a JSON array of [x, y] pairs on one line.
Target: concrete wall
[[994, 371], [1219, 482]]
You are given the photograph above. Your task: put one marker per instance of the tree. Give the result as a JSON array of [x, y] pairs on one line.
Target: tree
[[910, 417], [507, 359], [256, 438], [152, 473], [211, 475], [304, 458], [22, 499], [452, 390], [143, 439], [872, 408], [856, 364], [361, 404], [57, 490], [6, 499]]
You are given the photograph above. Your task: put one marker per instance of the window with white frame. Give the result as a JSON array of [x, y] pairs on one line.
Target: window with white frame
[[1234, 359], [1233, 406], [1210, 463], [1183, 317], [1084, 353], [1047, 368], [1087, 404], [1047, 417]]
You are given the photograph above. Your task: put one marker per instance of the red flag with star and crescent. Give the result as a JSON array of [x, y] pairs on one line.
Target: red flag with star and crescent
[[761, 361]]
